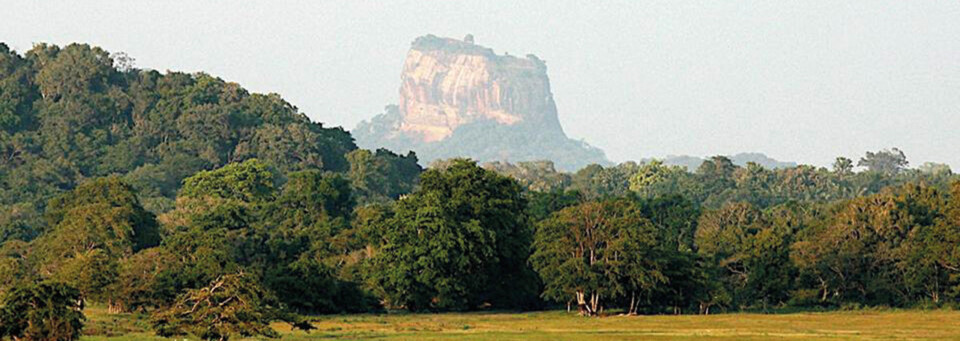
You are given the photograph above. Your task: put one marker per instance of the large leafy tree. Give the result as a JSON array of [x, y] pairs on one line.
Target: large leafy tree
[[655, 178], [747, 252], [42, 312], [139, 228], [17, 91], [921, 256], [141, 281], [458, 242], [250, 180], [595, 181], [228, 198], [215, 228], [296, 238], [230, 305], [596, 251], [874, 249], [311, 242], [382, 175], [934, 261], [723, 238], [14, 267], [675, 221], [885, 161], [310, 197], [95, 225]]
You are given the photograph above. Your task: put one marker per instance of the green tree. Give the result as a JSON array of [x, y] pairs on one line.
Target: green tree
[[199, 256], [843, 166], [14, 266], [311, 196], [925, 259], [768, 256], [382, 175], [141, 284], [885, 161], [17, 92], [540, 176], [219, 213], [310, 242], [95, 225], [19, 222], [748, 253], [595, 181], [541, 205], [719, 167], [230, 305], [250, 181], [854, 255], [459, 241], [91, 272], [721, 239], [110, 194], [42, 312], [675, 220], [941, 251], [595, 251], [655, 178]]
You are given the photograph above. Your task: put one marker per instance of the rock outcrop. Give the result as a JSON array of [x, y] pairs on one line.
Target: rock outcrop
[[447, 83], [459, 99]]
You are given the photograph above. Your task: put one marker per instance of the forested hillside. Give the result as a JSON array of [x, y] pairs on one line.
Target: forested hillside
[[216, 211], [74, 113]]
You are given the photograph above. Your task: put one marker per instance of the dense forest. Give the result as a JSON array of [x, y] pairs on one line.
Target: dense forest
[[187, 198]]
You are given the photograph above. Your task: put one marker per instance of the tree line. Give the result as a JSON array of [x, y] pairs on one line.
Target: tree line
[[189, 199], [467, 238]]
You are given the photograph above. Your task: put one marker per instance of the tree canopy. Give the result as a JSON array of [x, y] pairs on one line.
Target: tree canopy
[[457, 242], [72, 113], [42, 312], [218, 212]]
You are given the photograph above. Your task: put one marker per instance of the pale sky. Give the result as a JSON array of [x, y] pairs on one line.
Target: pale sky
[[801, 81]]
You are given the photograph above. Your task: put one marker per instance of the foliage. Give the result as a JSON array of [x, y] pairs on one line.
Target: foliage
[[459, 241], [141, 280], [597, 250], [73, 113], [95, 225], [159, 193], [748, 254], [44, 311], [249, 181], [382, 175], [540, 176], [230, 305], [719, 180], [884, 161]]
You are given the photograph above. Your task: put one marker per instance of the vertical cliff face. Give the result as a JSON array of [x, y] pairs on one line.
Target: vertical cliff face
[[459, 99], [447, 83]]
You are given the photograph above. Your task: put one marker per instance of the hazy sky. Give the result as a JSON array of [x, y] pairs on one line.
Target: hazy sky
[[799, 80]]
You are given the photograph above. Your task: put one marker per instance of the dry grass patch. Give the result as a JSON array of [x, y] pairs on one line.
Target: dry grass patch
[[856, 325]]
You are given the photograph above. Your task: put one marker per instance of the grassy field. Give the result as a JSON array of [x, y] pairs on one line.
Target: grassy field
[[852, 325]]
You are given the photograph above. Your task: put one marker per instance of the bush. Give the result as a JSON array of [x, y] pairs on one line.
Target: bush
[[42, 312]]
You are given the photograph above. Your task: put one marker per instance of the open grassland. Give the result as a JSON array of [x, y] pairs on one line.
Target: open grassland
[[850, 325]]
